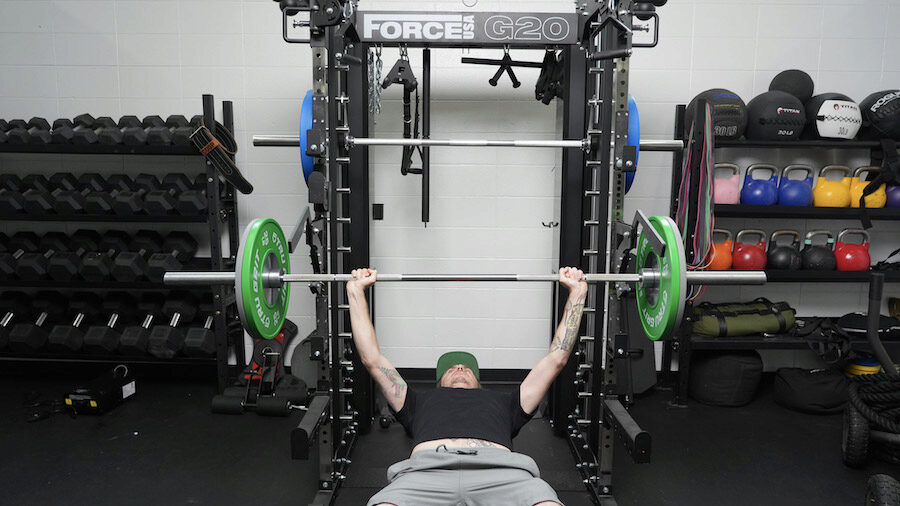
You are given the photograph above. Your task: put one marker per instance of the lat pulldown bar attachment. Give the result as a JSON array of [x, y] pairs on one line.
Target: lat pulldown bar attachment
[[262, 274]]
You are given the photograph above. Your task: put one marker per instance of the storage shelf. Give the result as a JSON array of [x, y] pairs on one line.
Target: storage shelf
[[799, 144], [200, 218], [99, 149], [761, 342], [105, 359], [803, 212], [196, 264]]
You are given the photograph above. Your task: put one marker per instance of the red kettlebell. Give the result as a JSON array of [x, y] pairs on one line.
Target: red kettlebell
[[747, 256], [849, 256]]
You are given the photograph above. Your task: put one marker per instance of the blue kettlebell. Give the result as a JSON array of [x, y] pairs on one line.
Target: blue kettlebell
[[795, 192], [760, 192]]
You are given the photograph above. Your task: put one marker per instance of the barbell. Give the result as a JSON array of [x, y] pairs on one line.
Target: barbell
[[294, 141], [262, 274]]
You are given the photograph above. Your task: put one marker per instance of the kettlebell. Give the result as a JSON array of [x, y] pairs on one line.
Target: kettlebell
[[721, 251], [828, 193], [760, 192], [785, 256], [818, 257], [849, 256], [875, 199], [795, 192], [749, 256], [892, 197], [726, 190]]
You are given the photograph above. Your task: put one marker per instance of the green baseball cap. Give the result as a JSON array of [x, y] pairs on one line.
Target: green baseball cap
[[452, 358]]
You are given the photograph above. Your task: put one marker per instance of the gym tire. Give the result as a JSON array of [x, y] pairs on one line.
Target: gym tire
[[854, 438], [882, 490]]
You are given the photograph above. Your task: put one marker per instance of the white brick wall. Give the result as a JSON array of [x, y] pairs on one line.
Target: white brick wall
[[114, 57]]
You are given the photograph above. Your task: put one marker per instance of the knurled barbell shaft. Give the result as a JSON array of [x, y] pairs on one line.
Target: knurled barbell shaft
[[294, 141], [273, 279]]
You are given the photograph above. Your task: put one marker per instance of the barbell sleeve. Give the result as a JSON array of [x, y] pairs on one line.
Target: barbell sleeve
[[272, 279]]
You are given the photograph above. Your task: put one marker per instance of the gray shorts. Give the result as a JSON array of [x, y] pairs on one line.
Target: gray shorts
[[482, 476]]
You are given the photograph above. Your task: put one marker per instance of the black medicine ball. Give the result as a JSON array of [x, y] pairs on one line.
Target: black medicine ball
[[775, 116], [796, 82], [881, 115], [832, 116], [728, 111]]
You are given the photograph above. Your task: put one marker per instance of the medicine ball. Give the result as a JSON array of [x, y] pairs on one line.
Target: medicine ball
[[832, 116], [729, 113], [881, 115], [775, 116], [796, 82]]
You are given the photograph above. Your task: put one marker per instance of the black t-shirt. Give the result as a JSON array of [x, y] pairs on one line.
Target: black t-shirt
[[462, 413]]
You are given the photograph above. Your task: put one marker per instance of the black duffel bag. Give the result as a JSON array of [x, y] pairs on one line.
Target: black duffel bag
[[815, 391]]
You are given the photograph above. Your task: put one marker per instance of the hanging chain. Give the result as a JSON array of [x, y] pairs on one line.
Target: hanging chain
[[375, 65], [378, 65]]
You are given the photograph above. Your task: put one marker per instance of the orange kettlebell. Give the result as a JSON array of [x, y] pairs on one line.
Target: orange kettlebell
[[721, 251]]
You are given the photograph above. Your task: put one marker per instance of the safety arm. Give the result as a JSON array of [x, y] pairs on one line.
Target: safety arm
[[383, 372], [538, 381]]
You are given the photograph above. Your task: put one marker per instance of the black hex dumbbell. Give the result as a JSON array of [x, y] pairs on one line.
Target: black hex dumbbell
[[36, 131], [164, 200], [30, 337], [120, 308], [11, 200], [167, 340], [20, 244], [15, 307], [178, 247], [97, 266], [103, 201], [35, 265], [193, 201], [84, 309], [104, 130], [132, 265], [135, 338], [181, 129], [64, 129], [39, 198], [66, 265], [4, 126], [131, 202], [201, 341], [133, 133], [73, 200]]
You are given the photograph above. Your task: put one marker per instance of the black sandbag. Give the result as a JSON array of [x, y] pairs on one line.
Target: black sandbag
[[815, 391], [725, 379]]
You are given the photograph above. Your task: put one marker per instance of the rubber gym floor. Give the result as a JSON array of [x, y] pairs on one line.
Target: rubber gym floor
[[165, 447]]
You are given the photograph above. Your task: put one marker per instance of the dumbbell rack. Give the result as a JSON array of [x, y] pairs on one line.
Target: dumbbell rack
[[221, 213], [684, 343]]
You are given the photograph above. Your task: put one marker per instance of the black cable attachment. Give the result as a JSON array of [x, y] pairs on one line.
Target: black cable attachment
[[506, 65], [401, 73]]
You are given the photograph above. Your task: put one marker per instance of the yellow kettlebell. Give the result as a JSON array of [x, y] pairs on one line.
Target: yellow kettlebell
[[875, 199], [830, 193]]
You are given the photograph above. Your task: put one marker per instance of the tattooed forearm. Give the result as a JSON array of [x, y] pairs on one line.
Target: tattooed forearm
[[569, 327], [398, 386]]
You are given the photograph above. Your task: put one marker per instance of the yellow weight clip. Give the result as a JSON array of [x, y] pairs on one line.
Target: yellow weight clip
[[873, 200], [828, 193]]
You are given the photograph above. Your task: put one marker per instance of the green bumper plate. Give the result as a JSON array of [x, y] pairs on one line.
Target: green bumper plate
[[662, 307], [263, 248]]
